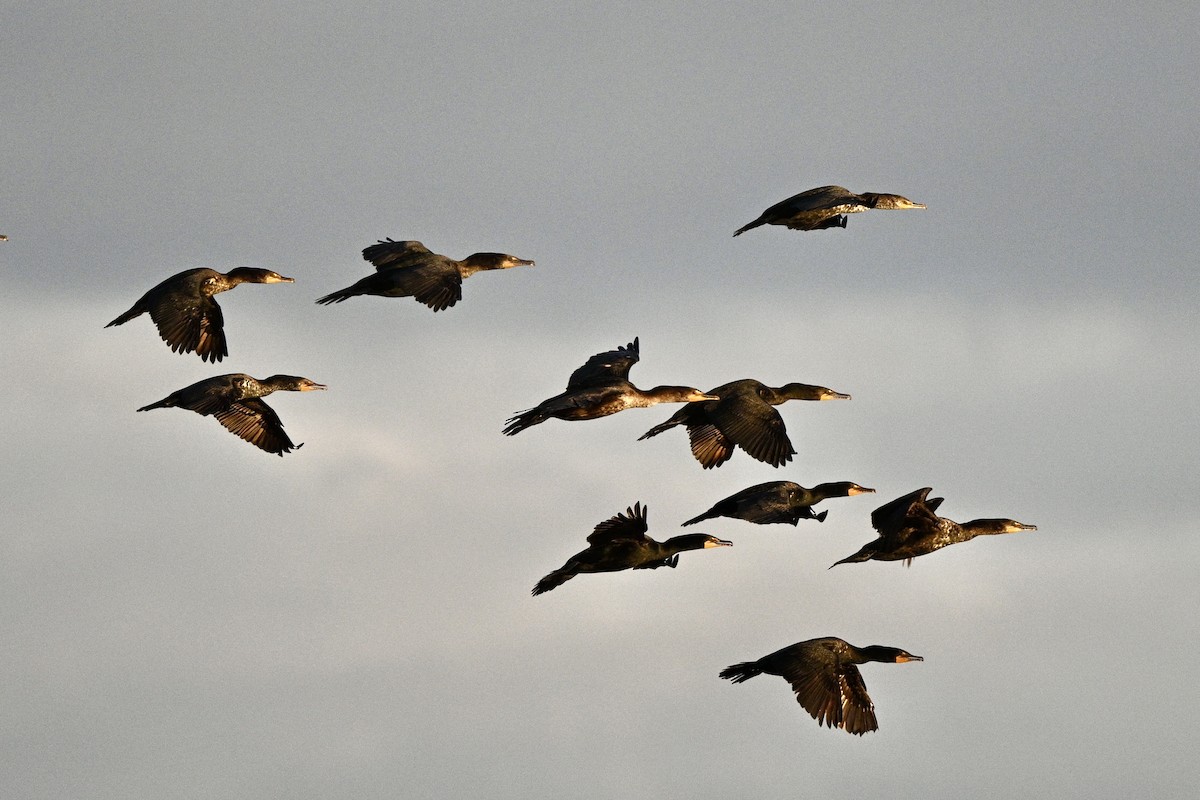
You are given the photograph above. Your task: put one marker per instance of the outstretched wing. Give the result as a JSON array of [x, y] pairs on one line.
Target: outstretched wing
[[895, 515], [629, 525], [436, 284], [710, 446], [754, 425], [192, 324], [835, 698], [257, 423], [604, 368], [387, 253]]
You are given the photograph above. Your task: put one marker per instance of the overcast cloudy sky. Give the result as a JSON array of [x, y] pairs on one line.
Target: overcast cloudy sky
[[184, 616]]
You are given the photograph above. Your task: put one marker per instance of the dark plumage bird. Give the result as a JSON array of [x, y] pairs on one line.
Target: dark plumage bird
[[779, 501], [599, 388], [187, 316], [908, 527], [742, 416], [236, 401], [410, 269], [621, 543], [824, 677], [825, 207]]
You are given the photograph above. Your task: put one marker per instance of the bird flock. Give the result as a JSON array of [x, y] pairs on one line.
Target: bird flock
[[823, 671]]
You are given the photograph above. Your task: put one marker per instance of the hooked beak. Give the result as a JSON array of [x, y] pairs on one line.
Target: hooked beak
[[861, 490], [832, 395], [312, 387], [903, 659]]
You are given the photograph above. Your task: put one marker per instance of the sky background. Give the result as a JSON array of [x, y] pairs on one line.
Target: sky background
[[184, 616]]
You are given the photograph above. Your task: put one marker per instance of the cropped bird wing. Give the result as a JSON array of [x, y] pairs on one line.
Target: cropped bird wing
[[194, 324], [753, 425], [605, 368], [257, 423], [629, 525], [436, 284], [834, 698], [387, 253]]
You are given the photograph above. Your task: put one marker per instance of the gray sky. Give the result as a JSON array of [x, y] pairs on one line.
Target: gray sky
[[188, 617]]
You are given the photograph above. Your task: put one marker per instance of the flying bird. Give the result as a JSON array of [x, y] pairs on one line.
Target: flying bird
[[908, 527], [742, 416], [187, 315], [824, 677], [779, 501], [410, 269], [236, 401], [825, 207], [599, 388], [621, 543]]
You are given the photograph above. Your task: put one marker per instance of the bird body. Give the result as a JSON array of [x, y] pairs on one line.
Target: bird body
[[742, 416], [825, 678], [779, 502], [908, 527], [825, 207], [599, 388], [409, 269], [185, 312], [235, 401], [620, 543]]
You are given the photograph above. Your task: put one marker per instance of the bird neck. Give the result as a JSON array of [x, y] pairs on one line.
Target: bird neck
[[689, 541], [875, 652], [825, 490], [667, 394], [795, 391]]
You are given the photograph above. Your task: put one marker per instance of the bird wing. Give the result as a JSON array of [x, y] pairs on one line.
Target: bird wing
[[257, 423], [710, 446], [858, 712], [751, 423], [435, 283], [387, 253], [823, 197], [836, 698], [790, 515], [604, 368], [629, 525], [819, 692], [192, 324], [897, 514], [207, 396]]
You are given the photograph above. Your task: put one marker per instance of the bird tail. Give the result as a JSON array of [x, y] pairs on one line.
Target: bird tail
[[659, 428], [551, 581], [857, 558], [164, 403], [706, 515], [741, 672], [749, 226], [524, 419], [128, 315], [336, 297], [821, 517]]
